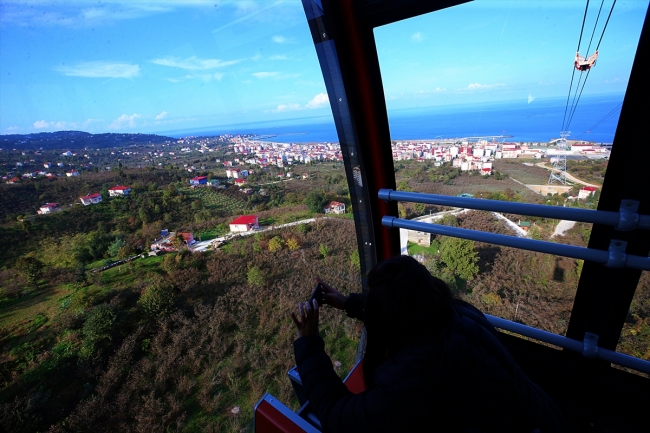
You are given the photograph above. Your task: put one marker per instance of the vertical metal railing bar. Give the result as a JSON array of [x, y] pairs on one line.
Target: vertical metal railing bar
[[570, 344], [543, 211], [593, 255]]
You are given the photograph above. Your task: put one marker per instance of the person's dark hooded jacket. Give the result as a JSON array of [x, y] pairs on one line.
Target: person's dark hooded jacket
[[463, 381]]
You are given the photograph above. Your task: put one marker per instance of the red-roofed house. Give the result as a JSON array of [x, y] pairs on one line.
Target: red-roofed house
[[199, 180], [49, 208], [335, 207], [240, 181], [91, 199], [13, 180], [587, 191], [244, 223], [118, 191]]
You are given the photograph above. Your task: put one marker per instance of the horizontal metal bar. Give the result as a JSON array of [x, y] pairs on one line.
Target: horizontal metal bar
[[593, 255], [570, 344], [558, 212]]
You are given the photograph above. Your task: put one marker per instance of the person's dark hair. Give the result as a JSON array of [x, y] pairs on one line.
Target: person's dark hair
[[405, 306]]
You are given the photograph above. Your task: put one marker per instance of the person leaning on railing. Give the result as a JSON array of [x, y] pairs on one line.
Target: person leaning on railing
[[432, 362]]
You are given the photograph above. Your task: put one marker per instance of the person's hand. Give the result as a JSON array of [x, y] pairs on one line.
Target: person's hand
[[331, 296], [308, 323]]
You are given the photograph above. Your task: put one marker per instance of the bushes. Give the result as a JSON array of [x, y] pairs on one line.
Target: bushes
[[97, 329], [157, 299], [256, 277]]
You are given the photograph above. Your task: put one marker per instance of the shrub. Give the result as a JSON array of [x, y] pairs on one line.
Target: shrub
[[256, 277], [293, 244], [324, 250], [276, 244], [98, 328], [158, 299], [355, 260]]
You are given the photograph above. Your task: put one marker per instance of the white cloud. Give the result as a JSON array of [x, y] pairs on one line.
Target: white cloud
[[193, 63], [161, 115], [100, 70], [417, 37], [475, 86], [265, 74], [615, 80], [41, 124], [256, 57], [280, 39], [287, 107], [13, 128], [278, 57], [124, 121], [318, 101]]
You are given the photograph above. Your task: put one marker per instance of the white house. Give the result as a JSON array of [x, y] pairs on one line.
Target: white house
[[119, 191], [335, 207], [91, 199], [72, 173], [244, 223], [49, 208]]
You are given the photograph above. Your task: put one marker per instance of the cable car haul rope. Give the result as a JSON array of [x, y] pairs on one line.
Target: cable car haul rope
[[583, 64]]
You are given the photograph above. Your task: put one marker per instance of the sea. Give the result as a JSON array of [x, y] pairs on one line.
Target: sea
[[529, 120]]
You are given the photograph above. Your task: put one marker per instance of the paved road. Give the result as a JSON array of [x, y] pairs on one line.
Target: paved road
[[204, 245], [562, 227], [403, 233]]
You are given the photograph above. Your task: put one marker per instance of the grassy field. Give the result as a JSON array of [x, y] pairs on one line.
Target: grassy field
[[530, 175], [216, 201]]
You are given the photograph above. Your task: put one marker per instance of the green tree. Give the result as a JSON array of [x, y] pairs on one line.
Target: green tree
[[355, 260], [98, 328], [324, 250], [158, 299], [31, 267], [114, 248], [316, 201], [459, 257], [256, 277]]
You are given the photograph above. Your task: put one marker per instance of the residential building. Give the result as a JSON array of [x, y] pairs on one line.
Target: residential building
[[335, 207], [91, 199], [119, 191], [586, 192], [49, 208], [72, 173], [244, 223], [199, 180]]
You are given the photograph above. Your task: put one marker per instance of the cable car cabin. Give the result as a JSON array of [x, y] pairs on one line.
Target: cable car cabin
[[582, 64], [577, 370]]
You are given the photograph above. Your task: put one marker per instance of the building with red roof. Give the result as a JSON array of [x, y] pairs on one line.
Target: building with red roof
[[119, 191], [91, 199], [586, 192], [244, 223], [199, 180], [335, 207]]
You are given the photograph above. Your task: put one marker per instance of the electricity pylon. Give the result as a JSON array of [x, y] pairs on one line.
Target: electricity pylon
[[558, 172]]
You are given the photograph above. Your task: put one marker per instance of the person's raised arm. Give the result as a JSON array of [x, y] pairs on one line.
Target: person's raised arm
[[353, 304]]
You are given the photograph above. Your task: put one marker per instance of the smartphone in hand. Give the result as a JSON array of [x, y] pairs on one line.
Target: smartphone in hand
[[317, 294]]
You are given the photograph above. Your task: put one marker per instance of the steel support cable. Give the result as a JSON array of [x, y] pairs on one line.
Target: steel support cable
[[584, 18], [574, 103], [607, 116], [574, 107]]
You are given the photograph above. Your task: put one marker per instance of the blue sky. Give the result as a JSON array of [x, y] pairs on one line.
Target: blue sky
[[155, 66]]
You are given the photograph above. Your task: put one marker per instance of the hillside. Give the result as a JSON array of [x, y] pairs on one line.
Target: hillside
[[77, 140]]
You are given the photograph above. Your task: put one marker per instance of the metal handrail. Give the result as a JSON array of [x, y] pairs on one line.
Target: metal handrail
[[573, 345], [623, 220], [593, 255]]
